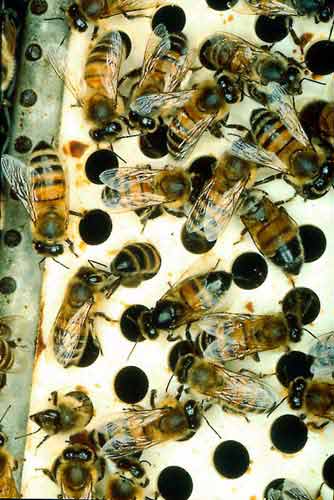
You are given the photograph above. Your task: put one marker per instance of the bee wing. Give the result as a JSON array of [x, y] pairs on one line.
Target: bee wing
[[157, 46], [57, 59], [18, 176], [125, 434], [122, 180], [294, 491], [322, 351], [280, 102], [213, 210], [264, 7], [251, 152], [179, 71], [114, 60], [254, 394], [147, 104], [66, 343], [134, 5], [193, 135]]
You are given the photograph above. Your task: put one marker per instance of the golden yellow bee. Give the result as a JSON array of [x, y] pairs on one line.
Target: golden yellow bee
[[75, 320], [135, 430], [312, 397], [220, 197], [72, 411], [235, 392], [77, 471], [7, 466], [273, 231], [167, 60], [42, 188], [128, 481], [8, 44]]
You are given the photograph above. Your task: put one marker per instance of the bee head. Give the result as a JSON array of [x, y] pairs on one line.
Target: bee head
[[321, 184], [78, 452], [295, 327], [305, 163], [48, 420], [142, 122], [93, 8], [292, 82], [49, 249], [145, 325], [296, 393], [183, 365], [325, 14], [133, 466], [193, 414], [166, 313], [229, 88], [78, 19]]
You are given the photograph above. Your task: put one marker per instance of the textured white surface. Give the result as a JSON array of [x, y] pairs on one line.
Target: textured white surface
[[164, 232]]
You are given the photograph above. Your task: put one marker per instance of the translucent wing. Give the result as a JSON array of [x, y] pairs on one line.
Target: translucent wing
[[147, 104], [18, 177], [264, 7], [213, 210], [57, 59], [134, 5], [193, 135], [251, 152], [68, 339], [322, 350], [179, 70], [294, 491], [244, 392], [126, 434], [157, 46], [134, 188], [114, 60]]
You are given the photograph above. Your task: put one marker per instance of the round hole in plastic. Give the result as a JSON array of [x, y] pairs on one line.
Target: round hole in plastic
[[95, 227]]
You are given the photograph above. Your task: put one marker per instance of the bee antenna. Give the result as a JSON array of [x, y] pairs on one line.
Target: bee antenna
[[313, 81], [118, 156], [169, 381], [145, 462], [214, 430], [54, 19], [312, 334], [131, 135], [331, 31], [29, 434], [60, 263], [275, 406], [133, 348], [5, 413]]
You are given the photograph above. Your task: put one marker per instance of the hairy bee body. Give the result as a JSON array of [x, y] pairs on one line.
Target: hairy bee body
[[76, 471], [128, 481], [315, 398], [273, 231], [8, 44], [7, 484], [135, 263], [71, 328], [235, 392], [98, 9]]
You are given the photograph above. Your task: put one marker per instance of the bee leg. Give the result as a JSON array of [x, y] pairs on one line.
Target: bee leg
[[134, 73], [179, 392], [315, 426], [188, 334], [77, 214], [43, 441], [153, 397], [256, 357], [92, 262], [99, 314], [134, 16], [54, 398], [270, 178], [282, 202], [71, 247], [171, 337], [247, 419], [95, 33], [242, 235], [48, 473]]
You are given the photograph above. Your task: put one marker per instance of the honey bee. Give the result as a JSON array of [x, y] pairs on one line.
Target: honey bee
[[138, 429], [200, 109], [167, 60], [315, 398], [72, 411], [128, 481], [326, 123], [75, 320], [219, 199], [229, 52], [77, 471], [7, 465], [187, 301], [42, 189], [322, 352], [85, 11], [135, 263], [144, 186], [273, 231], [8, 45], [98, 94], [228, 336], [235, 392], [284, 489]]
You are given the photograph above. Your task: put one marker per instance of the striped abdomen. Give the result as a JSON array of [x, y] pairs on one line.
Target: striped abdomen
[[6, 356], [272, 135], [204, 291], [218, 52], [136, 262]]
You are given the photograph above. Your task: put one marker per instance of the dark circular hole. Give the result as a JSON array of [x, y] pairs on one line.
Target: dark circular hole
[[38, 7], [249, 270], [128, 323], [23, 144], [201, 171], [195, 242], [304, 302], [221, 4], [231, 459], [172, 16], [131, 384], [314, 242], [328, 472], [127, 41], [309, 117], [154, 145], [12, 238], [7, 285], [33, 52], [175, 483], [95, 227], [320, 57], [28, 98], [179, 349], [90, 354], [292, 365], [98, 162], [272, 29], [288, 434]]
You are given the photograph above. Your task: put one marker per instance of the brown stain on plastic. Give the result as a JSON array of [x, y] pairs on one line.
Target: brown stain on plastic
[[40, 345], [305, 39], [250, 307], [75, 149]]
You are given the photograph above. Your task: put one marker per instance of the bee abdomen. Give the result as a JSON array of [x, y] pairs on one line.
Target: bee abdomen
[[6, 355], [136, 262], [179, 43], [290, 256]]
